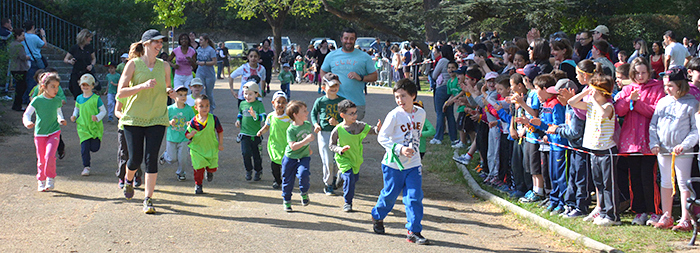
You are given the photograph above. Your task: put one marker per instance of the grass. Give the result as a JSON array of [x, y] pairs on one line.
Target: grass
[[627, 238]]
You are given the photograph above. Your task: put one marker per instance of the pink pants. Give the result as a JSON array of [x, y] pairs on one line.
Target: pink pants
[[46, 155]]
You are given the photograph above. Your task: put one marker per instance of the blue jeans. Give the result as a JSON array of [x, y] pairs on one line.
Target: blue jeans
[[432, 82], [291, 169], [285, 87], [439, 98], [87, 146], [349, 181], [409, 182], [250, 147]]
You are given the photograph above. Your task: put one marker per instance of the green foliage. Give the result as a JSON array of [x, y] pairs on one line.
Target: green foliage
[[248, 9], [650, 27], [170, 12]]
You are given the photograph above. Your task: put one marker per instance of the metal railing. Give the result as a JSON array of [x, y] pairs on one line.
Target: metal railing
[[59, 32]]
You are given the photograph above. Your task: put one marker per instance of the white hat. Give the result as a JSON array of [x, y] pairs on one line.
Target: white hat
[[279, 93], [124, 55], [601, 29], [252, 86], [196, 81], [491, 75]]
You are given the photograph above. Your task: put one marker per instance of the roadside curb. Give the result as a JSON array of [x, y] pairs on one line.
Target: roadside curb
[[542, 222]]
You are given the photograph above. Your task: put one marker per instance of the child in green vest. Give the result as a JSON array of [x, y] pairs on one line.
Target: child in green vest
[[277, 123], [346, 142], [176, 149], [297, 155], [251, 113], [324, 116], [204, 137], [89, 111]]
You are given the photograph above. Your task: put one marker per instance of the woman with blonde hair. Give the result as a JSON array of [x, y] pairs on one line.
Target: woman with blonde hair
[[82, 57]]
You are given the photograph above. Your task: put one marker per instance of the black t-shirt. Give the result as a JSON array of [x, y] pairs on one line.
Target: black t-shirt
[[4, 37], [266, 58], [320, 57], [82, 57]]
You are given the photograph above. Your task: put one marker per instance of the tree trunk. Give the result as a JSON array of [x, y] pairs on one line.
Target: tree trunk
[[431, 32]]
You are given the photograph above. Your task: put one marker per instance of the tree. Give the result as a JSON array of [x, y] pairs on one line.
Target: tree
[[275, 13], [170, 12]]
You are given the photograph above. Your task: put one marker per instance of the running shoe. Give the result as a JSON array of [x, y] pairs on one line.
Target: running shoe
[[417, 238], [148, 206]]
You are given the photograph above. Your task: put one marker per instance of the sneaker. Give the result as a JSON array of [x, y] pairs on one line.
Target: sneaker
[[305, 199], [86, 171], [181, 177], [378, 226], [640, 219], [257, 176], [276, 186], [41, 186], [49, 184], [248, 175], [121, 183], [478, 168], [128, 191], [573, 214], [534, 197], [598, 219], [544, 203], [607, 222], [161, 160], [557, 210], [435, 142], [665, 222], [417, 238], [198, 189], [210, 176], [458, 144], [328, 190], [287, 206], [683, 226], [593, 215], [61, 154], [238, 138], [517, 194], [483, 175], [550, 209], [148, 206], [566, 211], [347, 207], [137, 181], [653, 219]]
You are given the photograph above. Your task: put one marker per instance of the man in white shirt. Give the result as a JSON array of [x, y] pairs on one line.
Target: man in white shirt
[[676, 54]]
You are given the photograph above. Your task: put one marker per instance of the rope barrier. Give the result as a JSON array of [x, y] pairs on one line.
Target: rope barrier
[[591, 153]]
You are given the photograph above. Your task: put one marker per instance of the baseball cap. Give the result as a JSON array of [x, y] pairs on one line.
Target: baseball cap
[[152, 34], [87, 78], [564, 83], [124, 55], [178, 88], [530, 70], [461, 70], [196, 81], [252, 86], [491, 75], [601, 29], [279, 93], [286, 65], [676, 73], [330, 79]]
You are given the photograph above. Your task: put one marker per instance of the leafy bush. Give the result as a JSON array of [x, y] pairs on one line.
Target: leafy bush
[[650, 27]]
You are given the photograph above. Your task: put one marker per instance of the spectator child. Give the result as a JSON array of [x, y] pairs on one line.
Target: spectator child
[[531, 109], [297, 155], [494, 134], [598, 139], [466, 109], [622, 78], [122, 150], [454, 91], [205, 138], [622, 56], [402, 169], [298, 68], [47, 128], [324, 116], [694, 75], [286, 78], [251, 114], [522, 180], [673, 130], [277, 123], [176, 148], [112, 82], [346, 143], [89, 112]]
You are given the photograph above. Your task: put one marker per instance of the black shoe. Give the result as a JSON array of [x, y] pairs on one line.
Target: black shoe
[[417, 238], [210, 176], [257, 176], [198, 189], [378, 226], [276, 186], [161, 160], [61, 154], [137, 181], [248, 175], [181, 177]]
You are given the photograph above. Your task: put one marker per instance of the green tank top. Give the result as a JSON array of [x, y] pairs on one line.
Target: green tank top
[[88, 129], [204, 147], [147, 107], [352, 158], [277, 142]]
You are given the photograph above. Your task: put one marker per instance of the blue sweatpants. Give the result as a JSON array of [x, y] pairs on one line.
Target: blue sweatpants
[[409, 182], [291, 169], [349, 181], [577, 191], [557, 174]]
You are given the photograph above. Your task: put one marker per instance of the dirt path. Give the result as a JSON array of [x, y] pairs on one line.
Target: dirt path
[[90, 214]]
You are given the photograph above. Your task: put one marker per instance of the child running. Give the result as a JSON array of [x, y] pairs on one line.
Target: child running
[[47, 128], [251, 71], [286, 78], [176, 148], [196, 88], [112, 82], [346, 142], [401, 167], [206, 142], [277, 123], [89, 111], [251, 114], [297, 155], [324, 116]]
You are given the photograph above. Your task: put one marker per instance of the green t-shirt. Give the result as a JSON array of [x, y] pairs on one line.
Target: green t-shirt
[[324, 109], [60, 95], [427, 131], [285, 77], [181, 116], [453, 87], [251, 124], [299, 66], [113, 78], [46, 110], [296, 134], [87, 107], [277, 141], [120, 68]]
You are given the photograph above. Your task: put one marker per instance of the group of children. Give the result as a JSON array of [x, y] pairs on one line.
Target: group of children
[[544, 138]]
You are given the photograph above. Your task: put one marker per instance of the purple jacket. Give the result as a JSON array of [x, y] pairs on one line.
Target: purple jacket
[[634, 134]]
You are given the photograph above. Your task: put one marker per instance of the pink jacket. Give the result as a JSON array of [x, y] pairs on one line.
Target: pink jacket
[[634, 134]]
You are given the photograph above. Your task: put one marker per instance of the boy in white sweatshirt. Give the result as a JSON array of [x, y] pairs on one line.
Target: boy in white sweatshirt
[[401, 165]]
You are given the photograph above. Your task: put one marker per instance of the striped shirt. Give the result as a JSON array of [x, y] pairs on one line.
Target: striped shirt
[[599, 131]]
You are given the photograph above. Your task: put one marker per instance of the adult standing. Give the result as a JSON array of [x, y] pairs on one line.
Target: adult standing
[[441, 75], [185, 58], [416, 59], [267, 56], [145, 85], [33, 44], [82, 57], [386, 50], [675, 53], [585, 41], [222, 60], [640, 50], [376, 45], [321, 52], [206, 59], [18, 67], [354, 68], [602, 32]]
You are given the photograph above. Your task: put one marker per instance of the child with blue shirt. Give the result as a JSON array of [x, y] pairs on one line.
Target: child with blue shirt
[[112, 82], [176, 148]]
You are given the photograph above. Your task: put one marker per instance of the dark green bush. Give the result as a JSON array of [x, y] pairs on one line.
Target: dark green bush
[[650, 27]]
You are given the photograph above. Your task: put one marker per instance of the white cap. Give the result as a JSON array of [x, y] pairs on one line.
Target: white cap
[[279, 93]]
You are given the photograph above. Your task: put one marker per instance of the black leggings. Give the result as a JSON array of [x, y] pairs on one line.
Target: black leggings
[[20, 78], [135, 137]]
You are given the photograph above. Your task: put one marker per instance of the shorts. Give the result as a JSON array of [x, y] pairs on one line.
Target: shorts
[[465, 122], [532, 161]]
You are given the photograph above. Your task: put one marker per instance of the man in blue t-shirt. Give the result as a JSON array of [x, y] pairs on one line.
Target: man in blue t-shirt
[[34, 41], [354, 68]]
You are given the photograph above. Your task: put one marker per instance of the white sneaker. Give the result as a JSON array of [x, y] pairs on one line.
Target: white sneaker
[[86, 171], [607, 222], [594, 214], [459, 144], [49, 183], [42, 185], [435, 141], [640, 219], [597, 220]]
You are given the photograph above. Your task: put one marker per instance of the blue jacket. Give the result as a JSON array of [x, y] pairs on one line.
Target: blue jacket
[[552, 113], [573, 131]]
